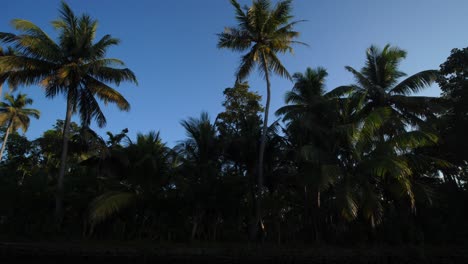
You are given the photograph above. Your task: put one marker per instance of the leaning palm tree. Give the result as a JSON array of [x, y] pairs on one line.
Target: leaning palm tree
[[14, 115], [264, 32], [75, 66]]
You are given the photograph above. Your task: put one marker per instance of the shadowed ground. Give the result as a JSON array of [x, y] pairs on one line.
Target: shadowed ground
[[74, 252]]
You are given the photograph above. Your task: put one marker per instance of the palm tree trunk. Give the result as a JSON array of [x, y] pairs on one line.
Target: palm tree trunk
[[317, 216], [63, 162], [259, 216], [7, 133], [265, 125]]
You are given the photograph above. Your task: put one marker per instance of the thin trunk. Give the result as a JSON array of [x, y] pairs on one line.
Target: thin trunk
[[265, 125], [307, 215], [198, 216], [318, 199], [63, 165], [317, 217], [253, 223], [260, 188], [7, 133], [278, 227], [194, 230]]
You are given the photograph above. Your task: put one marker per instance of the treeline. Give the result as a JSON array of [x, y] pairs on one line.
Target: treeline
[[368, 162]]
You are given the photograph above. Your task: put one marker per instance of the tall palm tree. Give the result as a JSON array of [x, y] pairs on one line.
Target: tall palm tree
[[75, 66], [263, 31], [14, 115]]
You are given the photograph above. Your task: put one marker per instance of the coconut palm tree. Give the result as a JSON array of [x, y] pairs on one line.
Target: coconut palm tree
[[309, 119], [379, 80], [140, 179], [75, 66], [14, 115], [371, 171], [263, 31], [199, 154], [308, 99]]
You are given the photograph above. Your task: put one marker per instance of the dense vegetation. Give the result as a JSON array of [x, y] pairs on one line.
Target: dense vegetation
[[368, 162]]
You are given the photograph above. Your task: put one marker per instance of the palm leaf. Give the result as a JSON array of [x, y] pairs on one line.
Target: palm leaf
[[107, 205], [416, 82]]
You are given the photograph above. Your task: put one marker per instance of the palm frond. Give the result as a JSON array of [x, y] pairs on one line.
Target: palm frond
[[360, 78], [106, 93], [107, 205], [113, 75], [34, 42], [413, 140], [416, 82], [341, 91], [275, 65], [247, 64], [234, 39]]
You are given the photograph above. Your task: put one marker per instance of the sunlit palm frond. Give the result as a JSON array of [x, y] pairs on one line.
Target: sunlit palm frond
[[107, 94]]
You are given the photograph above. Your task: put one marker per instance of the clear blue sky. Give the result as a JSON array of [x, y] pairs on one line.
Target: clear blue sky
[[171, 46]]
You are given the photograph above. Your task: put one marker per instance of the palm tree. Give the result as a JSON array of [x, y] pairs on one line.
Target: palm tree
[[263, 32], [144, 175], [307, 99], [379, 82], [309, 119], [370, 171], [199, 154], [15, 116], [76, 66]]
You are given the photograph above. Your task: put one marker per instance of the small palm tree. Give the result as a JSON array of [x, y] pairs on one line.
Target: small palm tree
[[76, 66], [140, 179], [14, 115]]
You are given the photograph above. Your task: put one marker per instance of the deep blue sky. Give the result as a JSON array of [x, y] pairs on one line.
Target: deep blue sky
[[171, 46]]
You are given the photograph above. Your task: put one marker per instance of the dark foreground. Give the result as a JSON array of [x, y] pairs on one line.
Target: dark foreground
[[144, 253]]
